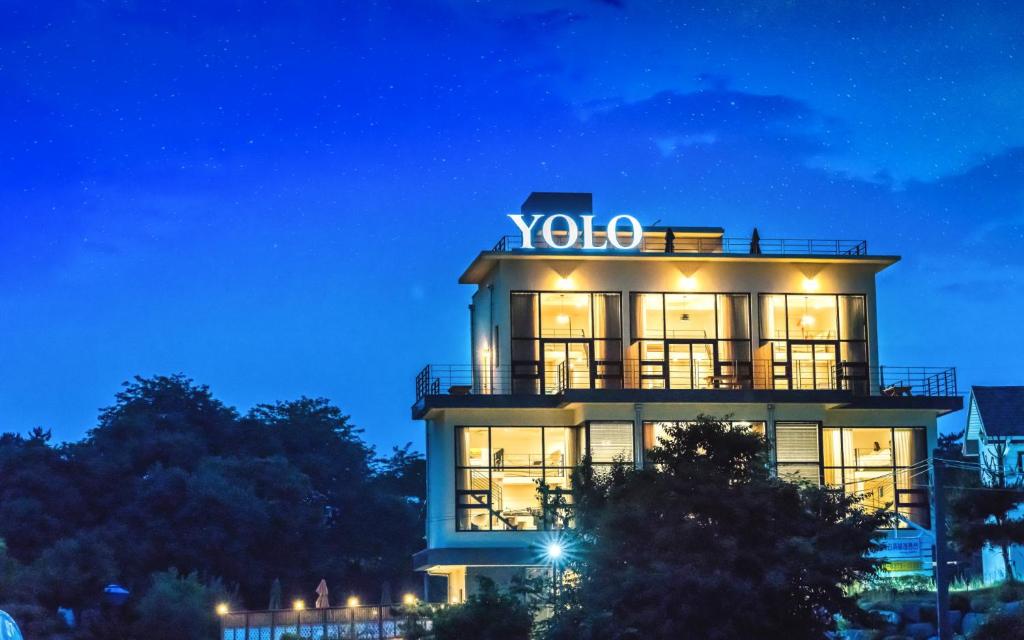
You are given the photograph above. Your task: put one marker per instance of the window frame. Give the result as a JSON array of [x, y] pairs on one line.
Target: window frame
[[457, 469], [854, 376], [743, 376], [893, 468], [598, 370]]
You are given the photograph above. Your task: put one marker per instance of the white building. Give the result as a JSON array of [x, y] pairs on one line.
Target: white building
[[995, 434], [593, 348]]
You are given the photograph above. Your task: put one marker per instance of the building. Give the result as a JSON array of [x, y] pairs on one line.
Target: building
[[995, 436], [593, 339]]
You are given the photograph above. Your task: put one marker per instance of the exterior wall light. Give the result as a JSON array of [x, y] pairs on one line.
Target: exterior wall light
[[352, 601], [564, 283], [687, 282], [810, 284], [222, 609], [299, 605]]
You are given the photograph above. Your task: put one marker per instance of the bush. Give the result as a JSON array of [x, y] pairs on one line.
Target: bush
[[959, 602], [487, 615], [1001, 627], [1010, 592], [177, 607]]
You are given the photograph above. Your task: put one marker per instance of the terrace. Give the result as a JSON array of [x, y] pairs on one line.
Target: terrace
[[451, 385]]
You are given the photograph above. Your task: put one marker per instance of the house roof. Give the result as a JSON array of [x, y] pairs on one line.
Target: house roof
[[1001, 409]]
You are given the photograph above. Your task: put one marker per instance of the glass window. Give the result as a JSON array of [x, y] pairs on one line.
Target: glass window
[[813, 317], [565, 315], [867, 448], [648, 315], [882, 466], [796, 452], [516, 446], [690, 316], [853, 318], [499, 472]]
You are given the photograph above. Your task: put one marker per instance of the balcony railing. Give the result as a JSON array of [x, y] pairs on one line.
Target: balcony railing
[[659, 243], [344, 623], [533, 379]]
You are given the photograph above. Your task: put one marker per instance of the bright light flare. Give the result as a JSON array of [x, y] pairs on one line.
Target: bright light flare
[[299, 605], [554, 550], [223, 609], [409, 599], [353, 601]]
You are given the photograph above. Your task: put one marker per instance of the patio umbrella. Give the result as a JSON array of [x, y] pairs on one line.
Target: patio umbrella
[[321, 595], [755, 243], [275, 595]]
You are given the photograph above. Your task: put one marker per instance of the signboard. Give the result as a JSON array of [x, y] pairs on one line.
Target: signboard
[[900, 548], [8, 628], [902, 566], [573, 232]]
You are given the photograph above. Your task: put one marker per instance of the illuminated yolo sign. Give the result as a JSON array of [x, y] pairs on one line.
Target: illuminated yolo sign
[[572, 231]]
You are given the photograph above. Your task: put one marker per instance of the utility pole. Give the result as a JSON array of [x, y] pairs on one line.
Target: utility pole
[[941, 548]]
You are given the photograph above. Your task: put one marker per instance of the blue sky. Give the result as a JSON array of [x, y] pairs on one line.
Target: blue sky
[[277, 198]]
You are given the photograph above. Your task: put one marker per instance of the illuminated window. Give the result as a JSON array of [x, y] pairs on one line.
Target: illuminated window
[[565, 340], [815, 341], [655, 432], [499, 470], [691, 341], [885, 467]]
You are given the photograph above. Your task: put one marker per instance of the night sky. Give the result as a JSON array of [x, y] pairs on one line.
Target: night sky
[[277, 198]]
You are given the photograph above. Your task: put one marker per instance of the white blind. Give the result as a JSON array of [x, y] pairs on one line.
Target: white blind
[[611, 442], [796, 442]]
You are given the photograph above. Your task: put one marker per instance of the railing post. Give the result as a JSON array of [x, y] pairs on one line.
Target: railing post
[[273, 625], [323, 622], [246, 625], [380, 622]]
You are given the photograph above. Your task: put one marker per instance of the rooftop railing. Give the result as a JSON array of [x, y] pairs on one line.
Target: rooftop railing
[[533, 379], [661, 243]]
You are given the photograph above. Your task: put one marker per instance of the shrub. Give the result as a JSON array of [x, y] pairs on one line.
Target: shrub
[[176, 607], [1010, 592], [1001, 627], [486, 615]]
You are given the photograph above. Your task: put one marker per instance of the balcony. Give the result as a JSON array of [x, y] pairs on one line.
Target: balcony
[[667, 243], [691, 381]]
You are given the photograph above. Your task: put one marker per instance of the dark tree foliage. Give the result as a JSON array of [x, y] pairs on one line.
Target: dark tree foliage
[[487, 615], [171, 478], [703, 543]]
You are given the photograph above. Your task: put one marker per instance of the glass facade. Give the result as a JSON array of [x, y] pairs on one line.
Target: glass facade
[[566, 340], [815, 341], [883, 466], [498, 471], [691, 340]]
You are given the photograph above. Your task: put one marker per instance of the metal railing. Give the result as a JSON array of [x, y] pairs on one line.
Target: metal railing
[[661, 244], [383, 622], [534, 378]]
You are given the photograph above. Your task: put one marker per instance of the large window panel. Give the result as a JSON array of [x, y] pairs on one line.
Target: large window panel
[[884, 467], [565, 315], [499, 471]]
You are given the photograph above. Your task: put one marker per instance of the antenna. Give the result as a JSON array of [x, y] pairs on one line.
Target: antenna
[[656, 222]]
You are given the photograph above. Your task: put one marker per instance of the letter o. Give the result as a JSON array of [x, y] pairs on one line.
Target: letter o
[[613, 232], [572, 235]]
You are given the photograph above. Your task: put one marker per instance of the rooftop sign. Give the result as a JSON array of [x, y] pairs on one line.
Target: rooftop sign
[[568, 232]]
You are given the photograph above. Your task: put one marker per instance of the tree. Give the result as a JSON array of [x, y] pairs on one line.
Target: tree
[[171, 477], [703, 543], [982, 510], [487, 615], [176, 606]]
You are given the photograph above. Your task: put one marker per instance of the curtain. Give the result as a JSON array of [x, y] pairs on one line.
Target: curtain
[[849, 455], [832, 441], [852, 321], [907, 448]]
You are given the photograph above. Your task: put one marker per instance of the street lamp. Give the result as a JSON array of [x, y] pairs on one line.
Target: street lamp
[[554, 551], [222, 609]]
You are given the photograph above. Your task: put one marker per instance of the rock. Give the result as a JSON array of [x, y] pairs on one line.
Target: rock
[[920, 630], [981, 604], [929, 614], [954, 617], [1012, 608], [858, 634], [911, 612], [889, 617], [971, 622]]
